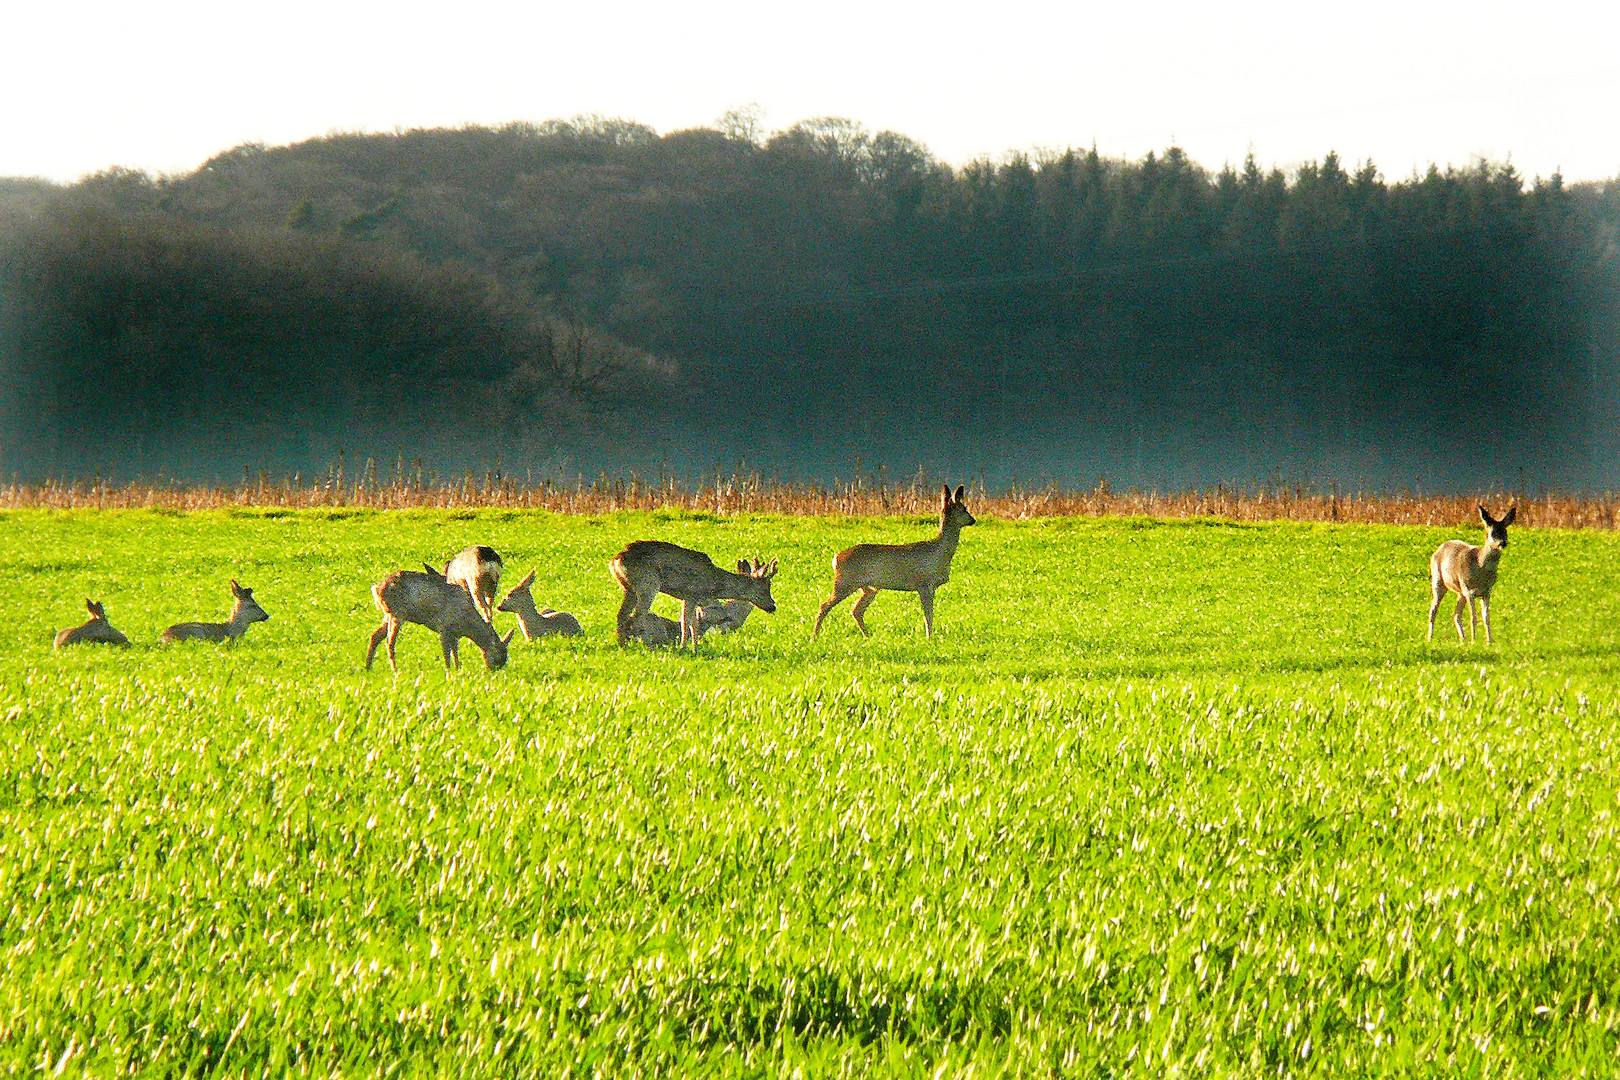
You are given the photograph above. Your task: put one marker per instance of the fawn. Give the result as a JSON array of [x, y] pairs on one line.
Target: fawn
[[245, 611], [448, 610], [97, 631], [655, 630], [648, 567], [1470, 572], [536, 622], [920, 567]]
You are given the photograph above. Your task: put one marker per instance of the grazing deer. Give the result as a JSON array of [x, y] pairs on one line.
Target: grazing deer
[[1470, 572], [244, 613], [921, 567], [448, 610], [537, 623], [478, 570], [97, 631], [649, 567]]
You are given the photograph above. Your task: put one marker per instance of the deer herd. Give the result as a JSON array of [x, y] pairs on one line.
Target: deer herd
[[458, 602]]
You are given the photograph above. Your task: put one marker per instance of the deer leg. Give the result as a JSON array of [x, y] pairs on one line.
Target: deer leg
[[377, 636], [394, 627], [840, 592], [634, 608], [1485, 614], [1456, 619], [447, 645], [927, 611], [1439, 591], [689, 624], [868, 594]]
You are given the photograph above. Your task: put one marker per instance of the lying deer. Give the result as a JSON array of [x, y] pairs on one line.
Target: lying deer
[[655, 630], [244, 613], [478, 570], [536, 622], [1470, 572], [921, 567], [431, 601], [649, 567], [97, 631]]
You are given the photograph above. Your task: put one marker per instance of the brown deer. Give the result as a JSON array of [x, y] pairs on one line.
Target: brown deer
[[1470, 572], [245, 611], [448, 610], [97, 631], [478, 570], [921, 567], [648, 567], [655, 630], [536, 622]]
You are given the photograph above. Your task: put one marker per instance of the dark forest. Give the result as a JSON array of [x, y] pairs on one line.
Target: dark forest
[[589, 295]]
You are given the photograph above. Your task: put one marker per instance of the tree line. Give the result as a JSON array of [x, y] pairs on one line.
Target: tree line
[[824, 293]]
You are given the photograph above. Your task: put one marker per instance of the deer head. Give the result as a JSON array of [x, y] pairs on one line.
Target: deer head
[[1496, 530], [760, 575], [247, 609], [954, 511]]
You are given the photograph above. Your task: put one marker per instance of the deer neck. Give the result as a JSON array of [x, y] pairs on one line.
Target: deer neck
[[949, 536], [237, 625], [529, 618], [1488, 557]]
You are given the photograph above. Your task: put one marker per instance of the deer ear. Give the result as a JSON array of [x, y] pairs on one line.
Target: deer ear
[[1485, 516], [235, 588], [770, 571], [525, 583], [1507, 518], [959, 492], [507, 640]]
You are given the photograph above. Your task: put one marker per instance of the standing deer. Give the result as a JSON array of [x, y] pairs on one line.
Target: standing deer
[[97, 631], [648, 567], [536, 622], [431, 601], [244, 613], [478, 570], [921, 567], [1470, 572]]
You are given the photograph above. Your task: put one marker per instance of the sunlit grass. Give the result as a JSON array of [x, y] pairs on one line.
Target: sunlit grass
[[1155, 796]]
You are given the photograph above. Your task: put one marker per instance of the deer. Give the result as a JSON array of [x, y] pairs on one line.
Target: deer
[[655, 630], [536, 622], [427, 599], [245, 611], [1470, 572], [920, 567], [478, 570], [648, 567], [96, 631]]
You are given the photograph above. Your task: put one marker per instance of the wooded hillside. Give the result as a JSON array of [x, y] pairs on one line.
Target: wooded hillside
[[591, 291]]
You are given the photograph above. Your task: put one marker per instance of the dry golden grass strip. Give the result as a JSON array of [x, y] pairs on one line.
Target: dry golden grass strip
[[741, 493]]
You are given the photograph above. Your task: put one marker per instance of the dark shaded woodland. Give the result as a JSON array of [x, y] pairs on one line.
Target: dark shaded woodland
[[592, 295]]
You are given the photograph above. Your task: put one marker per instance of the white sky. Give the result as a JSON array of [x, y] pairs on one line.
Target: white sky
[[164, 85]]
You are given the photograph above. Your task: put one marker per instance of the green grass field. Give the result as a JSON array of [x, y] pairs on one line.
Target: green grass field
[[1186, 798]]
